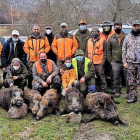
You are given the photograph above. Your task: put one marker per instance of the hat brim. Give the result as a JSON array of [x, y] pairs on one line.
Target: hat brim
[[78, 54]]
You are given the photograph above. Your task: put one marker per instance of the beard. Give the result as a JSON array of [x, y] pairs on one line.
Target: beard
[[64, 32]]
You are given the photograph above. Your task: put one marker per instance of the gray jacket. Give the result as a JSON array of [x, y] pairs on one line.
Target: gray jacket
[[131, 49], [45, 74]]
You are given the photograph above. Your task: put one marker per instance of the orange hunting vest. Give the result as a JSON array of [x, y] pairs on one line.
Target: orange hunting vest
[[95, 53], [103, 36], [49, 65]]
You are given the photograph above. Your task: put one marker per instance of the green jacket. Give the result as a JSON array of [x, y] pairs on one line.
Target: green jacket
[[114, 48], [82, 42]]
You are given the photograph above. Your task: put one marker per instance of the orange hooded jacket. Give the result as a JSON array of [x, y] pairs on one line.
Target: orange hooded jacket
[[68, 77], [33, 47], [64, 47]]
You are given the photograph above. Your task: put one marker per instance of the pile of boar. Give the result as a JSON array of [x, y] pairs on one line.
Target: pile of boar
[[100, 105]]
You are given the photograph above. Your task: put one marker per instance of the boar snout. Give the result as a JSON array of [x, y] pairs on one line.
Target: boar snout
[[76, 110], [19, 102]]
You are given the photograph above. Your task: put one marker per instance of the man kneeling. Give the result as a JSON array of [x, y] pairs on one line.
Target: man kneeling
[[16, 74], [85, 72], [45, 73]]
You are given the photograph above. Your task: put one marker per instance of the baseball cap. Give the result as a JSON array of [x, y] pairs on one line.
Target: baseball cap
[[48, 26], [136, 22], [82, 21], [15, 32], [63, 24], [94, 29]]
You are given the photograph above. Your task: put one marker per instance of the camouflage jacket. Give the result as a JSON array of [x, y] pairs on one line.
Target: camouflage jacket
[[131, 49], [42, 77], [22, 73]]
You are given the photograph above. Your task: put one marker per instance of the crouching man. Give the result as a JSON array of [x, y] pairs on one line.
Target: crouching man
[[45, 73], [85, 72], [16, 74]]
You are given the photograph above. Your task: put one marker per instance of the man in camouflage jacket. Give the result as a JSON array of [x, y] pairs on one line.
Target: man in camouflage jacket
[[16, 74], [131, 59]]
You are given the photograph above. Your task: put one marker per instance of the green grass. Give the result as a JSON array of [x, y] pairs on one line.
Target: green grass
[[55, 128]]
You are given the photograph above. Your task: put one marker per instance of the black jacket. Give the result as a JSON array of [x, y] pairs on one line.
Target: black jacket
[[8, 54], [51, 55]]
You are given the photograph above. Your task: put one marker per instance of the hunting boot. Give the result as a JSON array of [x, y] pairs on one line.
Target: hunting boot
[[132, 97]]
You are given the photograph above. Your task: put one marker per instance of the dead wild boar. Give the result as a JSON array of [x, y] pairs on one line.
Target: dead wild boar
[[11, 97], [73, 102], [48, 104], [32, 98], [17, 112], [102, 107]]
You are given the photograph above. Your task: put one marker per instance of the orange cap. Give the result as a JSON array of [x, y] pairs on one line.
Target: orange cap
[[82, 21]]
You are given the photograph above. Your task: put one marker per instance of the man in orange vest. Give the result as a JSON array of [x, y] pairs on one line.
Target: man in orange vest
[[45, 73], [96, 52], [106, 34], [34, 44]]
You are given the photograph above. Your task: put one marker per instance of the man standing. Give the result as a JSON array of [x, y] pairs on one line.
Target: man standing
[[45, 73], [16, 74], [114, 53], [107, 32], [12, 48], [85, 72], [96, 52], [34, 44], [64, 45], [50, 55], [82, 35], [131, 60]]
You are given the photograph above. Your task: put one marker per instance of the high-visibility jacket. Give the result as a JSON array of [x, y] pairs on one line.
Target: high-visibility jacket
[[49, 65], [68, 77], [95, 53], [74, 63], [64, 47], [106, 37], [33, 47], [0, 48]]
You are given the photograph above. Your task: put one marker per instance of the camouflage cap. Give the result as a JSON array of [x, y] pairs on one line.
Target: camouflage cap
[[136, 22], [79, 52], [94, 29], [15, 60], [107, 23]]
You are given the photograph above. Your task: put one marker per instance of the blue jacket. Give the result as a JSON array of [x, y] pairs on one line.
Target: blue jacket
[[8, 54]]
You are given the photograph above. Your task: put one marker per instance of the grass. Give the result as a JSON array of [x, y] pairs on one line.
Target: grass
[[55, 128]]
